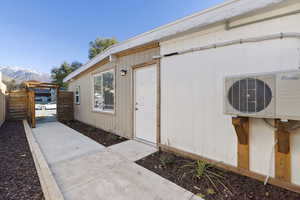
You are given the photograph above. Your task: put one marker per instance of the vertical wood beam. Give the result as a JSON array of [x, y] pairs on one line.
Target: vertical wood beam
[[31, 105], [282, 152], [28, 110], [57, 103], [158, 103], [241, 125], [33, 110]]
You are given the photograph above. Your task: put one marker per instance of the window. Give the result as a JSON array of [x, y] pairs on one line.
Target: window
[[103, 91], [77, 95]]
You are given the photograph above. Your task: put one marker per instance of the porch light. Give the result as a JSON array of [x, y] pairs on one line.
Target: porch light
[[123, 72]]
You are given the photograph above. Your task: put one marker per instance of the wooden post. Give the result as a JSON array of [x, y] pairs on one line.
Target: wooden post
[[57, 103], [241, 125], [31, 108], [28, 110], [282, 153]]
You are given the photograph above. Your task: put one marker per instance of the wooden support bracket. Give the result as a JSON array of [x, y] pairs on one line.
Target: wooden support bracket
[[283, 137], [282, 153], [241, 125]]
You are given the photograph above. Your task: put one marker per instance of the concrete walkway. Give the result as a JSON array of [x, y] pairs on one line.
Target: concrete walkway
[[86, 170]]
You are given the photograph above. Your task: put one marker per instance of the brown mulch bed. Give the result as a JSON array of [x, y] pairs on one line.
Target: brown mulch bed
[[225, 186], [18, 176], [100, 136]]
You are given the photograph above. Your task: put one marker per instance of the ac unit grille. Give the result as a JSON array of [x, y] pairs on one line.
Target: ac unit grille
[[249, 95]]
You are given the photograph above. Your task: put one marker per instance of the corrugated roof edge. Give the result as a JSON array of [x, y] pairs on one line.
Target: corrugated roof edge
[[221, 12]]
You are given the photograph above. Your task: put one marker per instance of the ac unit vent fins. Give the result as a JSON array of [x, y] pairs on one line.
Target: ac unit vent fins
[[249, 95]]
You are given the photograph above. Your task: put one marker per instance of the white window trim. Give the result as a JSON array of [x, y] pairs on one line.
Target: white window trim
[[93, 89], [77, 88]]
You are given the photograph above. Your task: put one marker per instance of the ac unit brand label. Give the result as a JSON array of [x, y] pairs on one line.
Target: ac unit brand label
[[290, 77]]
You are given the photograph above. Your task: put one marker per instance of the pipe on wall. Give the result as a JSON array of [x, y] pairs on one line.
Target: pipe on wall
[[234, 42]]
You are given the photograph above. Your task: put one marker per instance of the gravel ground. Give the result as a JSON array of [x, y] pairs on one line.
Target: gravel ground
[[229, 186], [18, 176], [98, 135]]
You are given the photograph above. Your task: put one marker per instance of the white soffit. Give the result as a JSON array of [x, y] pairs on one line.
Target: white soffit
[[219, 13]]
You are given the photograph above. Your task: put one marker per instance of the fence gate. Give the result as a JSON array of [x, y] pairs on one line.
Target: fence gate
[[65, 106]]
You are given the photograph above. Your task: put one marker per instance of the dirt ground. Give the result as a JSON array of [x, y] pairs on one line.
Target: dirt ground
[[219, 185], [100, 136], [18, 176]]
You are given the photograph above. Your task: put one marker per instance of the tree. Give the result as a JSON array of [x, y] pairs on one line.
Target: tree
[[12, 85], [59, 73], [99, 45]]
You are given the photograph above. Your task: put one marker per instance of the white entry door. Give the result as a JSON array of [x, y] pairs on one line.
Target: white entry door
[[145, 103]]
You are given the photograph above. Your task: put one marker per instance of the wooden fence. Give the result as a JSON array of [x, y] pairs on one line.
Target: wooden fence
[[31, 108], [65, 106], [16, 105], [21, 105]]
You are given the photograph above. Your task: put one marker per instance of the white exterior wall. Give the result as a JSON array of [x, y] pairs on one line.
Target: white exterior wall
[[84, 111], [121, 121], [192, 90], [124, 96], [2, 101]]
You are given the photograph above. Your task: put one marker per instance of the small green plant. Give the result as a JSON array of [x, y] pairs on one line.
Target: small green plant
[[202, 169], [166, 159], [91, 129], [210, 191], [114, 137], [200, 195]]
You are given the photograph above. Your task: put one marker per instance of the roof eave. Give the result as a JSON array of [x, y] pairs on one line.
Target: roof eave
[[220, 13]]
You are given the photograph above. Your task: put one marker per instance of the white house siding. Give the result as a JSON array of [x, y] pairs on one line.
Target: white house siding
[[84, 112], [124, 96], [192, 91], [121, 122], [2, 101]]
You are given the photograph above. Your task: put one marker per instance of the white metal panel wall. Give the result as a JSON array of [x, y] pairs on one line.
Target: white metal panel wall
[[2, 101], [192, 87], [261, 144], [2, 108], [196, 101], [219, 34]]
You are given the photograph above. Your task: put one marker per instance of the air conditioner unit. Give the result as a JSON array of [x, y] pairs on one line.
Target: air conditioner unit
[[266, 95]]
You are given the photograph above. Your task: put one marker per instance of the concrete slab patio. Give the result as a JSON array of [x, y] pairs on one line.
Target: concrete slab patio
[[86, 170]]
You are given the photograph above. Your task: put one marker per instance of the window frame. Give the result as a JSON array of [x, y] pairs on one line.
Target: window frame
[[77, 88], [93, 91]]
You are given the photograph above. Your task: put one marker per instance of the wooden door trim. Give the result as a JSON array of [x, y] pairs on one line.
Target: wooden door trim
[[158, 103]]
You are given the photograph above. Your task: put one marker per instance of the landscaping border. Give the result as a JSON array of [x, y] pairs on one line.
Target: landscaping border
[[49, 185]]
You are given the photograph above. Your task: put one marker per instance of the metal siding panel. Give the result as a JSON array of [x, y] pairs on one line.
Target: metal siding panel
[[208, 132]]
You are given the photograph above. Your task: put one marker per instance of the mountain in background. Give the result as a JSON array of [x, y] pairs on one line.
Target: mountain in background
[[21, 74]]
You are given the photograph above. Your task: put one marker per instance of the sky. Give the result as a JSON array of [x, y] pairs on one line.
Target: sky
[[41, 34]]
